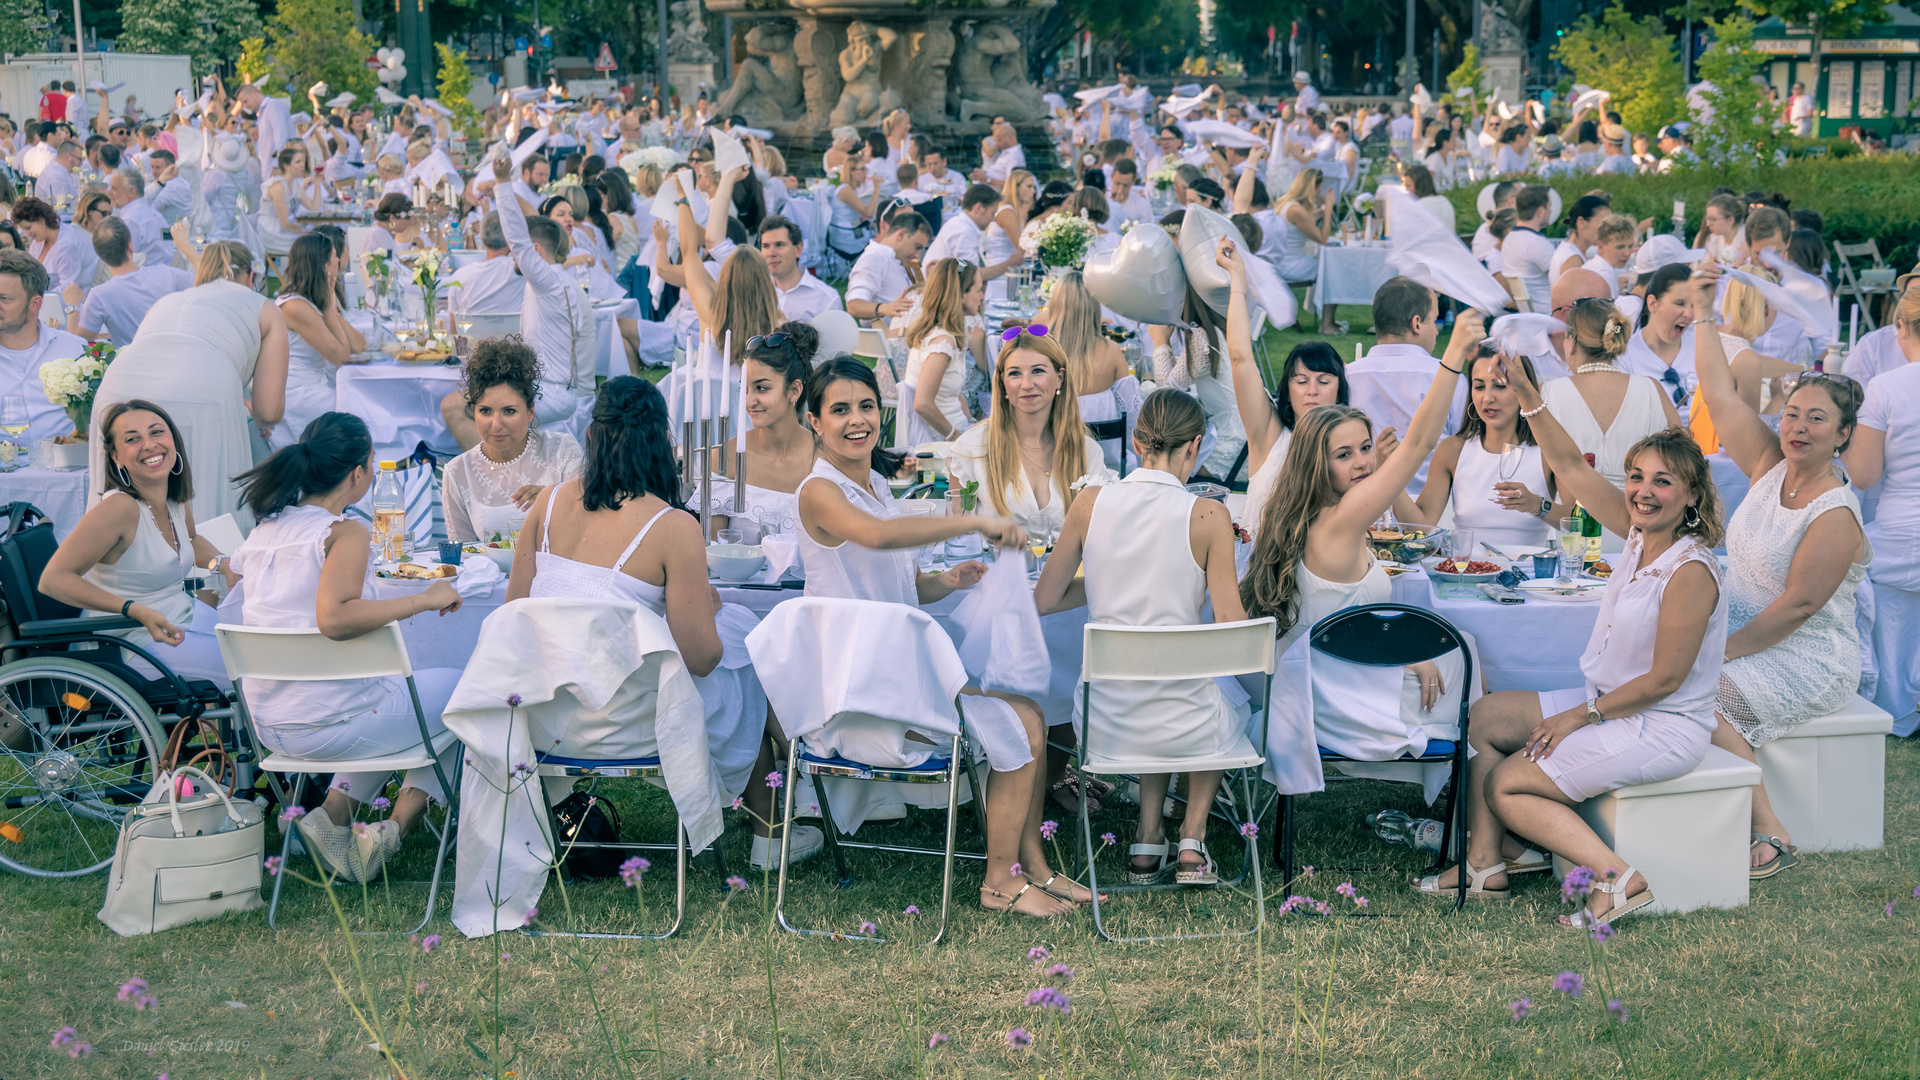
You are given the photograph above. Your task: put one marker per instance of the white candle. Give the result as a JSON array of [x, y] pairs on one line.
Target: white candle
[[686, 383], [1853, 328], [740, 425], [1679, 212], [725, 381]]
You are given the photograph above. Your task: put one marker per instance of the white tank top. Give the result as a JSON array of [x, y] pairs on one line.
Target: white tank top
[[1260, 488], [1472, 496], [1139, 554], [849, 571], [150, 570], [557, 575]]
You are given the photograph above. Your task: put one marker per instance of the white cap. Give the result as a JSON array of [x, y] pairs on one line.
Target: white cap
[[1663, 250], [1301, 76]]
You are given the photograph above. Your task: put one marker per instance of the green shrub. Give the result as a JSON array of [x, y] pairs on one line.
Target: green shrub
[[1860, 198]]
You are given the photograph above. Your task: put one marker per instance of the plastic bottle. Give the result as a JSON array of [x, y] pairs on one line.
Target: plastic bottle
[[1398, 827], [389, 515]]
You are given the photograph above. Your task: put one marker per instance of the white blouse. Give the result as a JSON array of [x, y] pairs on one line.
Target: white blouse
[[477, 492], [967, 463]]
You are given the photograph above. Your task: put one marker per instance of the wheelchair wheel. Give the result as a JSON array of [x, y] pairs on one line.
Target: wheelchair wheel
[[78, 750]]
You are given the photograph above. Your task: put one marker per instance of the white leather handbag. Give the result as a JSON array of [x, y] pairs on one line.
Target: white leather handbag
[[183, 861]]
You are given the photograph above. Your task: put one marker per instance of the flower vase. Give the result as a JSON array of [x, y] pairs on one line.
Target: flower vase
[[81, 413]]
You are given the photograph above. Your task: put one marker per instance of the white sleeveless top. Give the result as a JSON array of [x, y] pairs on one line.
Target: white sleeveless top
[[557, 575], [1621, 648], [1260, 487], [150, 570], [1320, 598], [1640, 415], [1472, 496], [849, 571], [310, 384]]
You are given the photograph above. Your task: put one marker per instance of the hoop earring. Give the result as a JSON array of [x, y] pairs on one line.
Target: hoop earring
[[179, 465], [1692, 517]]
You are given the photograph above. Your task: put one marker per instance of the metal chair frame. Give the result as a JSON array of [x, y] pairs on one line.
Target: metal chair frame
[[620, 769], [1102, 430], [1849, 280]]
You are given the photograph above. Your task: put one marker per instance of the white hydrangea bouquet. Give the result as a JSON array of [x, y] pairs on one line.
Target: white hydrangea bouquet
[[1162, 177], [1062, 240], [662, 158], [71, 383]]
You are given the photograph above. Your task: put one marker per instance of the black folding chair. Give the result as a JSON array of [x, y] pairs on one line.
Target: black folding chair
[[1394, 635], [1115, 429]]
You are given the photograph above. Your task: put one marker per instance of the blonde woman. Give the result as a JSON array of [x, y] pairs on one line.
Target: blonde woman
[[1017, 197], [936, 364], [1098, 368], [1032, 446], [854, 206], [742, 302], [1308, 214], [1605, 410]]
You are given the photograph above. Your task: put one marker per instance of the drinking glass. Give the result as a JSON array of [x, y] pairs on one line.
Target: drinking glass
[[13, 414], [1573, 546], [1461, 546], [729, 536]]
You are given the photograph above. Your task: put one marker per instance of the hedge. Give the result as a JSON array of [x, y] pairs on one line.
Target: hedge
[[1860, 198]]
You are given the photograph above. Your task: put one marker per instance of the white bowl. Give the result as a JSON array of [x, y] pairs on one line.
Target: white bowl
[[734, 562], [502, 558]]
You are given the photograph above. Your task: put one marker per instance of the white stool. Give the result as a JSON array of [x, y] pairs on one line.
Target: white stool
[[1688, 835], [1828, 778]]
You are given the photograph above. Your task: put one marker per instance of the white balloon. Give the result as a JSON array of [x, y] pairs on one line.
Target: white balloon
[[399, 73], [1141, 279], [381, 54]]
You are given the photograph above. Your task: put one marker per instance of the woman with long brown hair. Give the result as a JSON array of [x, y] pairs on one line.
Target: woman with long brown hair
[[938, 343], [1032, 447], [1097, 367]]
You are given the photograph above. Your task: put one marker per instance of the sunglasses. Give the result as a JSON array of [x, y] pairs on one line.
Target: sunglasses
[[779, 339], [1031, 330]]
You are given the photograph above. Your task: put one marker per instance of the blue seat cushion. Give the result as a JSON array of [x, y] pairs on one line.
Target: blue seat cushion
[[595, 763], [1437, 750], [938, 764]]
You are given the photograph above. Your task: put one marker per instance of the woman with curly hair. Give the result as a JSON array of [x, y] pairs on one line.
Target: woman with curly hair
[[487, 490]]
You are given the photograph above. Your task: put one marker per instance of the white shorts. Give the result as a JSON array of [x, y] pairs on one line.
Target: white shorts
[[1640, 749]]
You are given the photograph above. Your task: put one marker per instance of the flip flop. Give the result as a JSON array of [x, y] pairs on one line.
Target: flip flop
[[1786, 855], [1068, 897], [1008, 908]]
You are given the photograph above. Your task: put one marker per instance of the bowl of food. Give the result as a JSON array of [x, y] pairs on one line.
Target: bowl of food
[[499, 549], [1471, 572], [1404, 543], [734, 562]]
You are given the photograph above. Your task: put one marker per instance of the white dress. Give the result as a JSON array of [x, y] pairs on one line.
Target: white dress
[[1173, 366], [150, 572], [1472, 497], [1640, 415], [848, 231], [1122, 399], [967, 462], [1893, 401], [736, 706], [773, 511], [310, 384], [1260, 487], [1667, 739], [946, 396], [476, 493], [1817, 668], [275, 237], [848, 570], [1292, 260]]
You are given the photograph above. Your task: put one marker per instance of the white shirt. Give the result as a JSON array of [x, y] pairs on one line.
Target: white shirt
[[34, 159], [1528, 254], [959, 239], [809, 297], [1565, 251], [877, 276], [555, 320], [149, 231], [1400, 128], [1800, 107], [1309, 99], [56, 183], [1004, 162], [20, 374], [951, 184], [1389, 383], [276, 129], [117, 305], [1508, 160], [1617, 163], [69, 259], [77, 112], [1137, 207], [1373, 120], [1608, 272], [490, 286], [173, 200]]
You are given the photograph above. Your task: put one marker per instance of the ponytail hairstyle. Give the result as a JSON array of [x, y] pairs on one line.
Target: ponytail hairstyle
[[1661, 283], [791, 361], [328, 452], [628, 455], [1169, 419], [225, 260], [847, 369], [1598, 330]]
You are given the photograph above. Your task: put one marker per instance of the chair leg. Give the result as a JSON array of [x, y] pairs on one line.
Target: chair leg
[[979, 791], [780, 887], [286, 845], [946, 862], [828, 827], [1253, 852], [446, 844]]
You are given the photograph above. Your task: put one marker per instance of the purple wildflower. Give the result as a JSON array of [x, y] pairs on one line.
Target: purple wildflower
[[1048, 998], [869, 929], [1916, 892], [1014, 870], [1521, 1008], [523, 769], [936, 1041], [1889, 907], [1320, 908], [135, 991], [292, 813], [1250, 830], [774, 780], [738, 802], [1568, 983], [80, 1050], [532, 914], [1038, 953], [274, 863], [1602, 931], [1019, 1039], [505, 956], [1579, 882], [429, 943], [381, 803], [1346, 889], [1306, 872], [342, 785], [513, 701], [632, 869], [737, 883], [912, 909], [63, 1037], [419, 988], [1060, 971], [1109, 839], [1618, 1009], [1360, 901], [1049, 829]]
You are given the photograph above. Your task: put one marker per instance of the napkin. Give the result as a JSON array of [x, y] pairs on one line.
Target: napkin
[[477, 577], [782, 552], [728, 154], [1221, 133]]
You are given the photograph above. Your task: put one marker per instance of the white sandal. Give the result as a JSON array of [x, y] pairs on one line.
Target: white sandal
[[1155, 876], [1476, 883], [1531, 861], [1206, 873], [1620, 907]]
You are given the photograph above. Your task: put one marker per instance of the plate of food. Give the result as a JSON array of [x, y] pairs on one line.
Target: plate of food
[[1404, 543], [411, 571], [1599, 571], [1472, 572], [1574, 591], [499, 549], [422, 356]]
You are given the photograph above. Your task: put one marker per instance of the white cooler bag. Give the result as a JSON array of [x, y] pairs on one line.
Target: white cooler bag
[[184, 861]]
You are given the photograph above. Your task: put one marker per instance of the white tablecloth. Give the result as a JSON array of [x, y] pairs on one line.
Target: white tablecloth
[[400, 403], [62, 496], [1530, 646], [611, 355], [1350, 275]]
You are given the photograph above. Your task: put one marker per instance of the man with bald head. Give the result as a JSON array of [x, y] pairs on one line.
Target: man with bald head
[[1574, 285]]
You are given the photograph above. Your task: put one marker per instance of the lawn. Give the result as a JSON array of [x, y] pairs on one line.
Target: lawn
[[1813, 979]]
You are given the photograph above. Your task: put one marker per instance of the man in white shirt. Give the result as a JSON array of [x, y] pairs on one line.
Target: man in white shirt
[[534, 173], [1573, 287], [39, 149], [115, 308], [275, 121], [1309, 98], [491, 286], [25, 344], [127, 189], [962, 235], [171, 195], [878, 283], [1800, 111], [937, 179], [77, 112], [56, 182], [1675, 150], [65, 251], [801, 295], [1006, 154], [1613, 147], [1526, 253], [1125, 199], [1400, 128], [1389, 383]]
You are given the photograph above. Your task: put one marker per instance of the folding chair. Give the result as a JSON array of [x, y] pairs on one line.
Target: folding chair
[[644, 768], [1875, 281], [488, 324], [789, 651], [1136, 653], [1516, 289], [276, 269], [293, 654], [1394, 635], [1103, 431]]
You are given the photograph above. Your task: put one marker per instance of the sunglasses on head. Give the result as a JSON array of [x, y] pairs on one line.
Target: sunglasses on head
[[779, 339], [1013, 333]]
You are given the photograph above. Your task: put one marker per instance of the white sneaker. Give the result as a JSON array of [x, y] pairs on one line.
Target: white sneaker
[[328, 843], [807, 842], [374, 844]]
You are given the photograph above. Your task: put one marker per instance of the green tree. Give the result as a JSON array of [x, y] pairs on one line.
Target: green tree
[[1470, 75], [209, 31], [1736, 125], [23, 26], [1634, 58], [313, 41], [455, 81]]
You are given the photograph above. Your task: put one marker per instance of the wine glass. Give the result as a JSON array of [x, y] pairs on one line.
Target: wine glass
[[13, 416], [729, 536]]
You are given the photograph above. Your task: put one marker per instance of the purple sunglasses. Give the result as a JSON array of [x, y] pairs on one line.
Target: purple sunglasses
[[1013, 333]]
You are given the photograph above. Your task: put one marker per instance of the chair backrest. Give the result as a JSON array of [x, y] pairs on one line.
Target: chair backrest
[[1135, 653], [492, 323], [1384, 635], [298, 654], [820, 657], [1868, 250], [872, 344], [1516, 289], [26, 546], [222, 532]]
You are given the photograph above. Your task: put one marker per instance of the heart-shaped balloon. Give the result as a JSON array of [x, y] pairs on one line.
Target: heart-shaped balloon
[[1141, 279], [1200, 235]]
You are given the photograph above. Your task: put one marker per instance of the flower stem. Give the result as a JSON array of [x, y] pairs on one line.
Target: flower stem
[[1326, 1006]]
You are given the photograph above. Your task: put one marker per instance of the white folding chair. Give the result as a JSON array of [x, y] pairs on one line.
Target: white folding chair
[[873, 344], [790, 652], [293, 654], [642, 768], [1130, 746], [222, 532], [488, 324]]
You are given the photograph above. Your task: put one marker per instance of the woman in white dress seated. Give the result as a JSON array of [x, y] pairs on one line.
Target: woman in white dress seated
[[1601, 407], [288, 192], [1311, 559], [1096, 366], [1652, 667], [307, 565], [1796, 551], [1307, 211], [1491, 472], [1032, 447], [319, 338], [1155, 554], [939, 345], [618, 531], [129, 554], [486, 491], [855, 544], [779, 448]]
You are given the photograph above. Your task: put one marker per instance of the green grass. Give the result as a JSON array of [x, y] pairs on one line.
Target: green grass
[[1812, 979]]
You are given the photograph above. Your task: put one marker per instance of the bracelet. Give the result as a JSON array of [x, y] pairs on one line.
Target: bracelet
[[124, 608], [1528, 414], [1444, 367]]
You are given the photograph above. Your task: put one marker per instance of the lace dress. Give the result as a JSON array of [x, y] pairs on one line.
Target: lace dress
[[477, 492], [1817, 667]]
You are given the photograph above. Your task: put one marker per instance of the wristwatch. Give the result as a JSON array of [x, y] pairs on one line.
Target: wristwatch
[[1546, 507], [1593, 712], [70, 308]]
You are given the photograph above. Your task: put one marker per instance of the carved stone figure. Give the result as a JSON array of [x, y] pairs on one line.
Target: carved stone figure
[[766, 85], [816, 50], [932, 56], [687, 34], [992, 75], [863, 101]]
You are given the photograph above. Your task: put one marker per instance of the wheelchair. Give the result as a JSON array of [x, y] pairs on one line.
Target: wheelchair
[[82, 732]]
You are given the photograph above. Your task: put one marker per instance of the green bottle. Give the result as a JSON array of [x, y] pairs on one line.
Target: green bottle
[[1589, 528]]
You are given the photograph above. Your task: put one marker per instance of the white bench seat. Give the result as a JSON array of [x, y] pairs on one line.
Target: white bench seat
[[1827, 778]]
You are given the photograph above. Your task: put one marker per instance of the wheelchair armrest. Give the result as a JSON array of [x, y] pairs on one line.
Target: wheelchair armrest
[[62, 627]]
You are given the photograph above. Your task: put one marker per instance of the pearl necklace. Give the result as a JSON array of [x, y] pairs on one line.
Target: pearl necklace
[[1586, 368], [495, 466]]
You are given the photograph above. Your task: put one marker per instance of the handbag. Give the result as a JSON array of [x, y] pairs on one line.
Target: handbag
[[181, 861], [580, 819]]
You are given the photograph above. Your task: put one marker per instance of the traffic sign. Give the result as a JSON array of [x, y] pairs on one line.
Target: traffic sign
[[605, 60]]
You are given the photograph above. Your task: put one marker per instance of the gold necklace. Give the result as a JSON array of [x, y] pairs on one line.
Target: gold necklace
[[1024, 448]]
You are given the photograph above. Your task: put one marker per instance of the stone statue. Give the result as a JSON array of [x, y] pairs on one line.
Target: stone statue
[[863, 101], [816, 50], [992, 76], [766, 85], [687, 34], [932, 56]]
